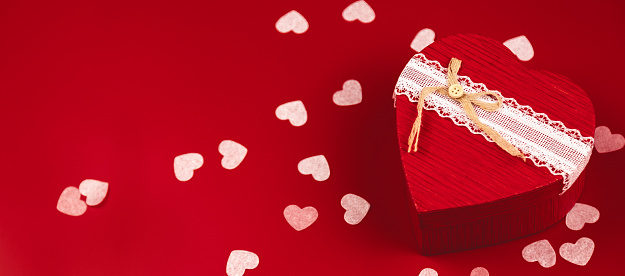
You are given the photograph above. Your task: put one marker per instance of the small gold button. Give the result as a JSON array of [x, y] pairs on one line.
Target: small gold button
[[456, 91]]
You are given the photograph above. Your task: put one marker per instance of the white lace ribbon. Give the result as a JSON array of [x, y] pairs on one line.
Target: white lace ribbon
[[547, 143]]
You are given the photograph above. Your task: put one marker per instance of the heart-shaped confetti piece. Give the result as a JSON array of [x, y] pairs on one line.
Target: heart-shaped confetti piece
[[350, 95], [479, 271], [69, 202], [94, 190], [580, 215], [605, 141], [239, 261], [428, 272], [541, 252], [317, 166], [298, 218], [185, 164], [233, 153], [578, 253], [359, 10], [293, 111], [423, 38], [356, 208], [521, 47], [292, 21]]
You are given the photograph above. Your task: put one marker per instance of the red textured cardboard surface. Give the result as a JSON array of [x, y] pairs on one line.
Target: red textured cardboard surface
[[115, 90]]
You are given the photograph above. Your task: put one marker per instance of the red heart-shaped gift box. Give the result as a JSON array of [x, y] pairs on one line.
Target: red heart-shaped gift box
[[465, 191]]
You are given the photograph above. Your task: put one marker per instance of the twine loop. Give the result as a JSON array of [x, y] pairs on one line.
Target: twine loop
[[467, 101]]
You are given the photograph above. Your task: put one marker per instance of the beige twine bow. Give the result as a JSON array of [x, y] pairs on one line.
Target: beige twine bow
[[456, 92]]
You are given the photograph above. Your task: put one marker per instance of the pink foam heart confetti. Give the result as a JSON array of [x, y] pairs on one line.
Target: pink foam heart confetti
[[69, 202], [292, 21], [239, 261], [356, 208], [317, 166], [350, 95], [94, 190], [233, 154], [578, 253], [541, 252], [605, 141], [298, 218], [359, 10], [521, 47], [185, 164], [293, 111], [580, 215], [479, 271], [423, 38], [428, 272]]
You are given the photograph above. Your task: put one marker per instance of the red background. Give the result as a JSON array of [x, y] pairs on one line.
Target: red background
[[115, 90]]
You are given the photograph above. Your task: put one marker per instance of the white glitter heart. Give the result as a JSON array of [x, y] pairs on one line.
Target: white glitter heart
[[293, 111], [580, 215], [239, 261], [292, 21], [185, 164], [359, 10], [423, 38], [233, 153], [298, 218], [316, 165], [350, 95], [356, 208], [541, 252], [521, 47], [605, 141], [69, 202], [578, 253], [94, 190], [479, 271], [428, 272]]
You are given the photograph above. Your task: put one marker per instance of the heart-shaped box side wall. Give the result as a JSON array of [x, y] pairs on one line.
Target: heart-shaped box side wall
[[466, 191]]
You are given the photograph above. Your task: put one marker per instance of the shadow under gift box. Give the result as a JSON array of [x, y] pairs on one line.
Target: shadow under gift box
[[465, 191]]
